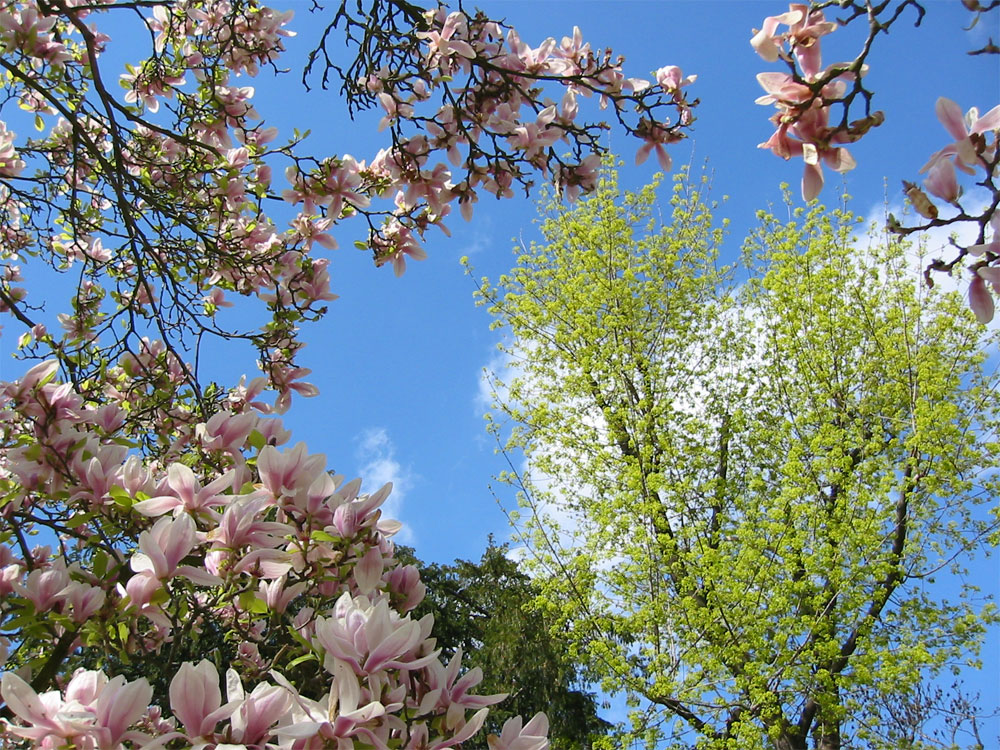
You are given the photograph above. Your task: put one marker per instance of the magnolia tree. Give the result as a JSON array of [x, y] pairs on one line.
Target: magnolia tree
[[157, 534]]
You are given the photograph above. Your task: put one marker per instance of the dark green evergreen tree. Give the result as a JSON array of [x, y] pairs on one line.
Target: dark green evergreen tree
[[487, 610]]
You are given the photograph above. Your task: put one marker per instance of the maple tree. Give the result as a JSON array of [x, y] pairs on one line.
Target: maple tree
[[735, 498]]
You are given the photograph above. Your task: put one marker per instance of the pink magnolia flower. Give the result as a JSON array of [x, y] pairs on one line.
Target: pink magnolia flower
[[448, 688], [241, 526], [277, 594], [186, 493], [404, 582], [84, 599], [215, 299], [351, 516], [942, 181], [282, 379], [164, 546], [394, 110], [11, 164], [226, 431], [38, 375], [343, 184], [258, 712], [50, 721], [370, 637], [95, 713], [310, 229], [962, 152], [44, 588], [532, 736], [196, 699], [805, 27], [809, 138], [671, 79], [289, 473], [444, 44], [394, 244], [335, 719], [140, 589], [573, 181], [655, 137], [265, 563], [119, 704]]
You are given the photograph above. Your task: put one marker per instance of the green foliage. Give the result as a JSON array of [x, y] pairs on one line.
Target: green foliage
[[487, 610], [738, 495]]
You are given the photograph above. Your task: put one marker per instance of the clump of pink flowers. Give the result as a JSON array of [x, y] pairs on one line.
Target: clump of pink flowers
[[804, 95], [238, 534]]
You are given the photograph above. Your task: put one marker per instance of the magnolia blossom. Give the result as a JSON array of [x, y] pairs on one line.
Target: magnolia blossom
[[11, 164], [371, 637], [962, 152], [805, 27], [803, 116], [94, 712], [514, 736], [196, 700], [973, 152]]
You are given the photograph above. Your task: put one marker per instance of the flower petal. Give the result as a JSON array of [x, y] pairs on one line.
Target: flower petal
[[950, 115]]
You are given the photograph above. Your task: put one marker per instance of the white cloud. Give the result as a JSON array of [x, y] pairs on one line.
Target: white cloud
[[491, 379], [377, 461]]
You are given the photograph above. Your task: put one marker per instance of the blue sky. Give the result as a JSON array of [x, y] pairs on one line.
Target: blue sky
[[399, 361]]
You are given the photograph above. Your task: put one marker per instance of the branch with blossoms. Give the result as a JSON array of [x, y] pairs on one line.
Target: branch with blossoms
[[156, 196], [805, 96], [243, 549], [973, 153], [488, 112], [942, 202], [150, 205]]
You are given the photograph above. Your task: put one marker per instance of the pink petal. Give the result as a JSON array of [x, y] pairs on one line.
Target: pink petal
[[198, 576], [950, 115], [941, 181], [812, 182], [195, 694], [839, 160], [980, 300], [774, 83], [400, 641], [368, 570], [663, 158], [118, 709], [22, 699], [471, 727], [989, 121], [763, 42], [157, 506]]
